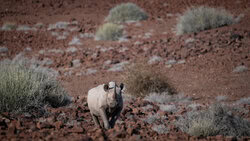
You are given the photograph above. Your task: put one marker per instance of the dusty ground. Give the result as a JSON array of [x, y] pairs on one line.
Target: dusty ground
[[205, 69]]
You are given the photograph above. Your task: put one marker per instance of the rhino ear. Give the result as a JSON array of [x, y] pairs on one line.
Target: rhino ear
[[106, 87], [121, 86]]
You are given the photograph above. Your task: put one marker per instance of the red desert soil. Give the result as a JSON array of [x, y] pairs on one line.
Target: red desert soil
[[206, 73]]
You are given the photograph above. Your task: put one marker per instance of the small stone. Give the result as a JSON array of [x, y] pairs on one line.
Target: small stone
[[154, 59], [76, 63], [72, 50], [171, 62], [239, 69], [181, 62], [3, 49]]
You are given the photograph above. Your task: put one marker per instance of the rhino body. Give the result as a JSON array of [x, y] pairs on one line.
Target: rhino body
[[105, 101]]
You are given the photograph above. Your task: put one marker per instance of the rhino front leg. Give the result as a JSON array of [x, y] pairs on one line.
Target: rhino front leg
[[96, 121], [115, 116], [104, 118]]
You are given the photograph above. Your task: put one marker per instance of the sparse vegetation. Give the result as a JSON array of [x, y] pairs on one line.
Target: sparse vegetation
[[165, 98], [126, 12], [160, 129], [143, 79], [201, 18], [217, 120], [152, 118], [168, 108], [25, 90], [109, 31]]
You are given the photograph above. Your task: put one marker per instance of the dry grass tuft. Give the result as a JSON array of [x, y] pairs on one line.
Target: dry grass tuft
[[216, 120], [126, 12], [25, 90], [201, 18], [141, 79], [109, 31]]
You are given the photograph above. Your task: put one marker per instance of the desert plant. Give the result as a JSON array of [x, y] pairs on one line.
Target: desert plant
[[160, 129], [143, 79], [167, 97], [126, 12], [216, 120], [23, 89], [201, 18], [109, 31]]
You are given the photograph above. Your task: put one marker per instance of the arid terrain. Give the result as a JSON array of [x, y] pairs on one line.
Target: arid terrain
[[205, 67]]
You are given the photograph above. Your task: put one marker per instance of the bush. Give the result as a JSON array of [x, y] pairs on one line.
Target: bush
[[23, 90], [126, 12], [109, 31], [160, 129], [142, 79], [217, 120], [201, 18]]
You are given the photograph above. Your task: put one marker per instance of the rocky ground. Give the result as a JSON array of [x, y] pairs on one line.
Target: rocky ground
[[59, 37]]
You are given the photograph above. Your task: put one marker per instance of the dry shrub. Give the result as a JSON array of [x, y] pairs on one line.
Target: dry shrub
[[126, 12], [24, 90], [109, 31], [216, 120], [201, 18], [143, 79]]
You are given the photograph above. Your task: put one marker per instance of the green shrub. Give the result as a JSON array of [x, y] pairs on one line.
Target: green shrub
[[126, 12], [201, 18], [23, 90], [109, 31], [140, 80], [217, 120]]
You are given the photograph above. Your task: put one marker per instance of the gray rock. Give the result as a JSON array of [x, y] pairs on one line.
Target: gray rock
[[118, 67], [25, 28], [91, 71], [58, 25], [181, 62], [76, 63], [3, 49], [57, 51], [71, 49], [154, 59], [171, 62], [86, 35], [239, 69], [75, 41]]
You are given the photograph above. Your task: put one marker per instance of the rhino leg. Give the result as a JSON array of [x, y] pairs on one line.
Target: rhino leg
[[115, 116], [96, 121], [104, 118]]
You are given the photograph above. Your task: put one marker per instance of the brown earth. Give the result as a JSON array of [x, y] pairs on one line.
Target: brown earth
[[207, 72]]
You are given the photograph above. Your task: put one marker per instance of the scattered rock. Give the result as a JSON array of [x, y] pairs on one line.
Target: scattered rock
[[3, 49], [171, 62], [239, 69], [76, 63], [75, 41], [119, 66], [91, 71], [154, 59], [72, 50], [86, 35], [57, 51]]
